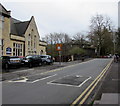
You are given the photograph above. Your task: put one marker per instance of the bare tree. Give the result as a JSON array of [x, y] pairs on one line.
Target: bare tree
[[100, 26], [79, 39], [53, 38]]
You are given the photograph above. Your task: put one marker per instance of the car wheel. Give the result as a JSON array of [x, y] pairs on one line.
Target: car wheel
[[40, 64], [30, 65], [49, 63], [45, 62]]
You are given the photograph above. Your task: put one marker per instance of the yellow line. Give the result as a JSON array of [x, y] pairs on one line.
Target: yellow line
[[86, 96], [90, 85]]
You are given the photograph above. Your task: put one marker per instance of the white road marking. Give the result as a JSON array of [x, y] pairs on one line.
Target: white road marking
[[24, 80], [42, 79], [64, 77], [84, 81], [78, 76], [53, 83]]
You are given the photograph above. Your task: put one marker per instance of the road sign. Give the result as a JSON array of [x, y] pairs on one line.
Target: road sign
[[59, 47], [8, 50]]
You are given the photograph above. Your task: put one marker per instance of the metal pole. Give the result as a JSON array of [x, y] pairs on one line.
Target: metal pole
[[60, 57], [114, 41]]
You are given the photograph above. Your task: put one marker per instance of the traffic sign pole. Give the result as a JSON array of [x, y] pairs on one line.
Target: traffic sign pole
[[59, 49], [59, 57]]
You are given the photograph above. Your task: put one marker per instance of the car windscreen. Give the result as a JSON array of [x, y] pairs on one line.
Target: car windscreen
[[43, 56]]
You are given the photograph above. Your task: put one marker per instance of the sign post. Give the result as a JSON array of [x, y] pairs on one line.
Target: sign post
[[59, 49]]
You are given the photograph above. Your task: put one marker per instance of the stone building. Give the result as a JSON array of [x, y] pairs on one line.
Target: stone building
[[19, 38]]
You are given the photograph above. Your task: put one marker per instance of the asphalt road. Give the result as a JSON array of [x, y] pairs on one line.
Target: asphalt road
[[61, 86]]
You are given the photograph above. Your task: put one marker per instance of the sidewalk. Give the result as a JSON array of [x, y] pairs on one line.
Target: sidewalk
[[109, 92], [16, 73]]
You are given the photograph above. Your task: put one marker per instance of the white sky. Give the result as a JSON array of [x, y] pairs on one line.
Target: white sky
[[69, 16]]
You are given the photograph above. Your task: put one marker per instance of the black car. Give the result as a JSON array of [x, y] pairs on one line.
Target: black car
[[9, 61], [46, 59], [32, 60]]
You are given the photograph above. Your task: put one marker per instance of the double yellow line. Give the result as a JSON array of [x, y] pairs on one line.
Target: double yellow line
[[90, 88]]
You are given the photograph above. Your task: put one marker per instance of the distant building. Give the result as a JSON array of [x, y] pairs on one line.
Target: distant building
[[19, 38]]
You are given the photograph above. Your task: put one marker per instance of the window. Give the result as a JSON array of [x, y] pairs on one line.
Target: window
[[1, 21], [28, 44], [35, 41], [17, 49], [41, 52], [29, 38]]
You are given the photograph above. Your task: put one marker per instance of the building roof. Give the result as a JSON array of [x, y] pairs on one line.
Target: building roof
[[18, 27], [3, 11]]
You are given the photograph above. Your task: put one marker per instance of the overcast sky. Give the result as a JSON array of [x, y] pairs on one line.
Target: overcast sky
[[69, 16]]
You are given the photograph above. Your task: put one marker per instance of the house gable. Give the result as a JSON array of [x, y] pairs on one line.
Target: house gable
[[32, 38], [3, 11]]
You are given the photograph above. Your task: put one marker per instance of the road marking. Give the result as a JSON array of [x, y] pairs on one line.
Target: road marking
[[63, 77], [42, 79], [53, 83], [60, 69], [86, 96], [84, 81], [97, 78], [23, 80]]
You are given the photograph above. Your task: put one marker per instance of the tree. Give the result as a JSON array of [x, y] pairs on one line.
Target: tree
[[79, 39], [53, 38], [100, 29], [77, 51]]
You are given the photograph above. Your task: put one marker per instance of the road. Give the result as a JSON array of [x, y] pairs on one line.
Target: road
[[62, 86]]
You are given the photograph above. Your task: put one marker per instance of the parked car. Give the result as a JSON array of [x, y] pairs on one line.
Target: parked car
[[9, 61], [32, 60], [22, 58], [46, 59]]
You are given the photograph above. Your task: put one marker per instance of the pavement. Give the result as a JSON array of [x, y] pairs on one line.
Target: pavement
[[109, 90], [25, 71]]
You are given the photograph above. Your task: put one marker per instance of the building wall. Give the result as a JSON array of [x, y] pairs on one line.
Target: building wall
[[31, 39], [26, 44], [5, 36], [0, 38], [42, 50]]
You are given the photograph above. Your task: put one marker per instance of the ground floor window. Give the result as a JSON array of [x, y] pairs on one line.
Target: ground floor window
[[41, 52], [17, 49]]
